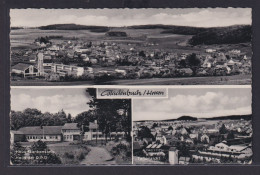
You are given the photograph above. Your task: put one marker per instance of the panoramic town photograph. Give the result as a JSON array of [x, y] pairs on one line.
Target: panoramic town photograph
[[194, 126], [189, 46], [68, 126]]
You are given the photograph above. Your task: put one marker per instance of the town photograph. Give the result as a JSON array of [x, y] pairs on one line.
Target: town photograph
[[68, 126], [194, 126], [205, 46]]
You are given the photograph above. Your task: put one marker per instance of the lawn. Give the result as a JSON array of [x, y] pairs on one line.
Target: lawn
[[68, 153]]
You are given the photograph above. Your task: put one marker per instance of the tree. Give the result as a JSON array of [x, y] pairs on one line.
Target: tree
[[145, 132], [170, 128], [155, 125], [142, 54], [231, 135], [193, 62], [69, 120], [84, 118], [223, 129], [183, 63], [109, 117]]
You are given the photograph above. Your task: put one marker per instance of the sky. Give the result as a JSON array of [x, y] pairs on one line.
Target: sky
[[198, 17], [71, 100], [196, 102]]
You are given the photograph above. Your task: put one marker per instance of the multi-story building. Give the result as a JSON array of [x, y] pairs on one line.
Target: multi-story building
[[95, 133], [70, 132], [63, 70]]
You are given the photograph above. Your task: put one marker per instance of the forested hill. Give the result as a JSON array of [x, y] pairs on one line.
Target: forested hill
[[183, 30], [74, 27], [232, 117], [225, 35], [212, 35]]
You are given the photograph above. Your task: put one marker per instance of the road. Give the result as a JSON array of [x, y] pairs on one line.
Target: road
[[98, 155]]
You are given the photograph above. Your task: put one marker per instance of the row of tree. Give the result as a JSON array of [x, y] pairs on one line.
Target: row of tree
[[34, 117], [112, 115]]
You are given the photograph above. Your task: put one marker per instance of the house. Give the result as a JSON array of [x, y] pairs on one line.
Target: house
[[183, 131], [95, 133], [70, 132], [35, 133], [210, 50], [26, 70], [204, 138]]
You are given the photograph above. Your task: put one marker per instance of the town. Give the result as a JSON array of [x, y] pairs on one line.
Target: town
[[61, 59], [188, 140]]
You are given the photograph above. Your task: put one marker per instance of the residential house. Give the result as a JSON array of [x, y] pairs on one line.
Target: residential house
[[71, 132]]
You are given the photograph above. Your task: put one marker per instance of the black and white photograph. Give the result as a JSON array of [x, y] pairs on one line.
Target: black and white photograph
[[69, 126], [182, 46], [194, 126]]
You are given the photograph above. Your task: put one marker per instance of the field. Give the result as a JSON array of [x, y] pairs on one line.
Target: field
[[221, 80]]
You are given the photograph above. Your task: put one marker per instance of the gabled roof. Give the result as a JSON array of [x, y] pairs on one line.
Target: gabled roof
[[70, 126], [21, 66], [37, 130]]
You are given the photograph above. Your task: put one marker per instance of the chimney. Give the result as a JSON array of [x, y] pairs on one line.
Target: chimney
[[95, 121]]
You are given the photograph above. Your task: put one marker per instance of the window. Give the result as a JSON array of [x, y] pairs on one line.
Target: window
[[70, 136], [56, 137], [44, 137]]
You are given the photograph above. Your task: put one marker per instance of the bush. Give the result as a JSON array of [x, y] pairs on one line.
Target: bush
[[81, 156], [69, 155]]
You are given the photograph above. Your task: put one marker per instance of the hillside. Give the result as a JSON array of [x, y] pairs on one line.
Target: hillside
[[183, 118], [232, 117], [74, 27], [213, 35], [225, 35]]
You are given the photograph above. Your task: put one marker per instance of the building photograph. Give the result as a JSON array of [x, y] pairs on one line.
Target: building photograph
[[69, 126]]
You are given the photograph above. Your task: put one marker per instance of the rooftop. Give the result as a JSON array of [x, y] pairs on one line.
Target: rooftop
[[21, 66], [37, 130], [70, 126]]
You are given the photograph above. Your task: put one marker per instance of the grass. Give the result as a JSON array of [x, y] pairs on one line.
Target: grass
[[121, 151], [217, 80], [70, 154]]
